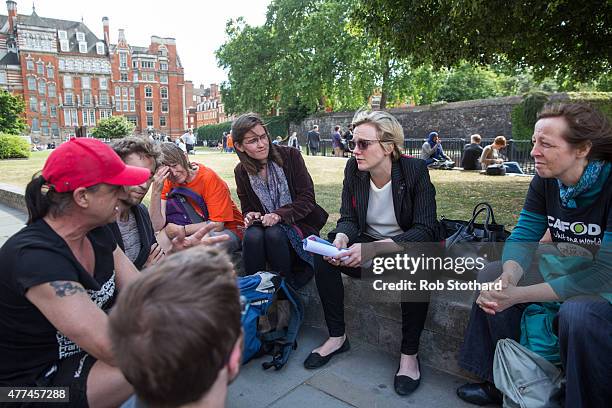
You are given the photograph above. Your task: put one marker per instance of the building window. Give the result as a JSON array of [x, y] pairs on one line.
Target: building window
[[80, 36], [43, 107], [162, 121], [125, 106], [148, 64], [62, 35], [64, 45], [124, 92], [132, 105], [134, 64], [118, 105], [68, 98], [35, 127], [163, 78], [45, 127], [40, 68], [42, 87], [30, 65], [164, 106], [123, 60], [103, 98], [164, 93], [54, 129], [132, 92], [117, 92], [103, 83], [135, 77], [105, 113], [148, 92], [163, 66], [149, 106], [89, 117], [86, 82], [67, 81], [52, 90], [33, 104], [100, 48], [86, 97], [53, 111], [123, 76], [149, 121], [32, 83], [3, 77], [82, 47], [133, 120], [50, 72]]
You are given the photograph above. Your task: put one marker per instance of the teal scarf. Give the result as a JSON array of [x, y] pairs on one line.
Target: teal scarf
[[588, 179]]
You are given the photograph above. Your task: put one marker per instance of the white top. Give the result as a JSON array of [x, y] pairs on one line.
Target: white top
[[380, 219]]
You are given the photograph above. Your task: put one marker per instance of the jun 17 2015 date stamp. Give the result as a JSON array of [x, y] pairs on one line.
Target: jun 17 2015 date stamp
[[34, 394]]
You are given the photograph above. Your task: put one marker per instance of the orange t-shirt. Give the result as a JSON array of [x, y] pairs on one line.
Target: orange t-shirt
[[216, 195], [230, 141]]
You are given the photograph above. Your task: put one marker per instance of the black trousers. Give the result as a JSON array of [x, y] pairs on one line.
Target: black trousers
[[267, 248], [585, 341], [331, 291]]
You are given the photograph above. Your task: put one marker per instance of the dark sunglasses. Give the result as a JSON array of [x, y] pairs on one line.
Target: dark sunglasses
[[362, 144]]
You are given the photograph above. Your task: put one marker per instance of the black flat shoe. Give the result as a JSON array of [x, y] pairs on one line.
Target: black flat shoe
[[405, 385], [480, 393], [315, 360]]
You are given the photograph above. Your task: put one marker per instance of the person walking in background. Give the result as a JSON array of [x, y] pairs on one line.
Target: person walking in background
[[189, 139], [314, 140], [293, 141], [230, 143], [337, 142], [472, 153], [224, 142], [490, 155]]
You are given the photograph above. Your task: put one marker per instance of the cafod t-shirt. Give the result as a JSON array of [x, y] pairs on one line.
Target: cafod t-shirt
[[29, 343]]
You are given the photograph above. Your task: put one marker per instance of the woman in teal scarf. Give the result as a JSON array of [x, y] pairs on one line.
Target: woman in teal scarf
[[571, 198]]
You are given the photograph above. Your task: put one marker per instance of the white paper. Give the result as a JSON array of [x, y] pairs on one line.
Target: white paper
[[319, 246]]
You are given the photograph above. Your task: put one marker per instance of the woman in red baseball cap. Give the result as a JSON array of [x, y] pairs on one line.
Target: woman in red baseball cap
[[61, 273]]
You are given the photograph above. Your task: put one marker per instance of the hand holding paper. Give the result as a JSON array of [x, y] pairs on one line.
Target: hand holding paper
[[320, 246]]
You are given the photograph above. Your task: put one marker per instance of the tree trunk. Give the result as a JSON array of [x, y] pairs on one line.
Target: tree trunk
[[384, 56]]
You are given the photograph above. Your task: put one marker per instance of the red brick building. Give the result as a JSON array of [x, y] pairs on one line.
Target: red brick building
[[70, 78], [210, 109]]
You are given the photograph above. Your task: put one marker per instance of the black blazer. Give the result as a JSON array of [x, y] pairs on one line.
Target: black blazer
[[414, 201], [304, 211]]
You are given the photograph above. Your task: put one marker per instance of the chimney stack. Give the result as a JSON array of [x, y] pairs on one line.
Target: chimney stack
[[121, 38], [106, 31], [11, 6]]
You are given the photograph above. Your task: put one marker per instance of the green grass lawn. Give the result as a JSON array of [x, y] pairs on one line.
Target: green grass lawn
[[456, 192]]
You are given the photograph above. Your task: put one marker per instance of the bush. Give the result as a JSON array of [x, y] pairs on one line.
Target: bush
[[115, 127], [277, 126], [13, 147]]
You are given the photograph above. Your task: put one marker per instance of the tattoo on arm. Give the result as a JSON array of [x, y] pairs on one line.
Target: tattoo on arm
[[63, 289]]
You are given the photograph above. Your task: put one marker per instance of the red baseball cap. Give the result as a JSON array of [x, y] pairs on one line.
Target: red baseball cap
[[84, 162]]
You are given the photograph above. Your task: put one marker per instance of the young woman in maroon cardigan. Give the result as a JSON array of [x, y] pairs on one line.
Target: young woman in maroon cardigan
[[278, 202]]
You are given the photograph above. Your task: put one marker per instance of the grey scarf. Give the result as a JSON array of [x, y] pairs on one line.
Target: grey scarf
[[275, 193]]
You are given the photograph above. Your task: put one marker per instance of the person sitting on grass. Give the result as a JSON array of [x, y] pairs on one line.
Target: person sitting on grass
[[176, 331], [490, 155], [431, 150], [472, 153]]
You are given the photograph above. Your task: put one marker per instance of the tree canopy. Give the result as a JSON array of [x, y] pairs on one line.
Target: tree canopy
[[11, 113], [114, 127], [554, 37]]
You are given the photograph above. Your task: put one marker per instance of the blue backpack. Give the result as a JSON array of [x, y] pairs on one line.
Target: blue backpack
[[259, 292]]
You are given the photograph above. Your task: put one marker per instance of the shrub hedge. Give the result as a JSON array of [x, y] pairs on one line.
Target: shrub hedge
[[13, 147], [524, 114], [277, 126]]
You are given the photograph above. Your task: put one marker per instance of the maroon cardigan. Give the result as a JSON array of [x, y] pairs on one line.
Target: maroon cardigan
[[304, 212]]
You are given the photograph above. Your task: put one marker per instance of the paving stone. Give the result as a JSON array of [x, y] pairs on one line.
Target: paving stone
[[307, 396]]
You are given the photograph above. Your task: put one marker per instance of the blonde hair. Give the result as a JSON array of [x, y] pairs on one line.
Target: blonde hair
[[388, 129]]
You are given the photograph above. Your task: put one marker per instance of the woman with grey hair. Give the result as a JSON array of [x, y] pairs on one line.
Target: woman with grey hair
[[376, 179]]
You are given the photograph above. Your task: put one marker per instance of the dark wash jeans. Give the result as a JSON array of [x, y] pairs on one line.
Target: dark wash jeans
[[585, 340], [331, 291]]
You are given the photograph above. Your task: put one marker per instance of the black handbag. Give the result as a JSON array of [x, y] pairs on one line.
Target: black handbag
[[474, 240]]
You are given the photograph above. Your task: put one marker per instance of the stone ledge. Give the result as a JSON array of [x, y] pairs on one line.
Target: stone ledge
[[379, 324], [13, 197]]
